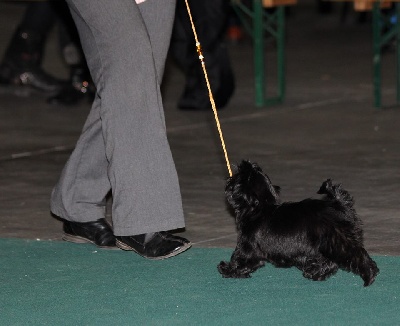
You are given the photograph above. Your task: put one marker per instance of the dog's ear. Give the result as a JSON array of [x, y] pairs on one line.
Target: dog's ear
[[262, 189], [251, 200], [260, 186], [245, 166], [272, 195]]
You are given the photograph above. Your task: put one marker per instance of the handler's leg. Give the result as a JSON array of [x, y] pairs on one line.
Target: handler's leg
[[127, 71]]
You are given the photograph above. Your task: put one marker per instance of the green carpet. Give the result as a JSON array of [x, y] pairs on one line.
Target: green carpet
[[58, 283]]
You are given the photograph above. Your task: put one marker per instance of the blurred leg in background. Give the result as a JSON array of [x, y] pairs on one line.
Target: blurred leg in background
[[210, 18], [21, 67]]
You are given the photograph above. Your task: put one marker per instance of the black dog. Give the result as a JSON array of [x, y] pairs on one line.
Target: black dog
[[318, 236]]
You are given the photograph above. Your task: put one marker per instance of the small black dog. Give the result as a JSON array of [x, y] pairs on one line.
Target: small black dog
[[318, 236]]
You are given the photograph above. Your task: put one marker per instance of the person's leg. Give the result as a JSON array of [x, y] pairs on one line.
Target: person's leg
[[80, 85], [20, 67], [79, 195], [210, 18], [127, 71]]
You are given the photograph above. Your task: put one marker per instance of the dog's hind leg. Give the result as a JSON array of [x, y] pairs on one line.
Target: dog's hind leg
[[319, 268], [348, 253], [351, 257], [361, 263]]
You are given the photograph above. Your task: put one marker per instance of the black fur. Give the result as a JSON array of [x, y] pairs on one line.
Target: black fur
[[318, 236]]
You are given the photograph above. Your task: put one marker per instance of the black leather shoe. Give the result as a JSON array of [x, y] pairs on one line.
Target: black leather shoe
[[33, 78], [20, 70], [158, 245], [98, 232]]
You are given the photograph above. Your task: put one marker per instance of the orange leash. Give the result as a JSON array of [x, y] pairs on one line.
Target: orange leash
[[214, 108]]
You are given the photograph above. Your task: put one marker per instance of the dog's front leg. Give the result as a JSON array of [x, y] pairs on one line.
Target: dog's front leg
[[240, 265]]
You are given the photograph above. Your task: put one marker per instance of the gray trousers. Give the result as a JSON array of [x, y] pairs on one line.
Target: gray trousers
[[123, 145]]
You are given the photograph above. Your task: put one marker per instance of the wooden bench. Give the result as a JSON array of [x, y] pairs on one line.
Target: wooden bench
[[367, 5], [383, 32], [257, 21]]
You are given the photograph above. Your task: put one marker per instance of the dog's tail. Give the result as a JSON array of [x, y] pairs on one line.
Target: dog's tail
[[336, 192]]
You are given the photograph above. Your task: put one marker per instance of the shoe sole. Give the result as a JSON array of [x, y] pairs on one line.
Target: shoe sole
[[78, 239], [124, 246]]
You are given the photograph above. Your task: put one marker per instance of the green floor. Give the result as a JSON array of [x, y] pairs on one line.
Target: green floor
[[58, 283]]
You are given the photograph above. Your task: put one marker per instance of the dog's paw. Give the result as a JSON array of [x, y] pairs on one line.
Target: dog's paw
[[227, 271], [319, 270], [223, 265], [224, 268], [370, 275]]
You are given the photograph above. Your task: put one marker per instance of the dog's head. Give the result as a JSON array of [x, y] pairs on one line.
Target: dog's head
[[249, 189]]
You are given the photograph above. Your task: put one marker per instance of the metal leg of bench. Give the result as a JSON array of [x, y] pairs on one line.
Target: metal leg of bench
[[281, 53], [274, 24], [384, 31], [259, 62], [397, 27], [260, 20], [376, 29]]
